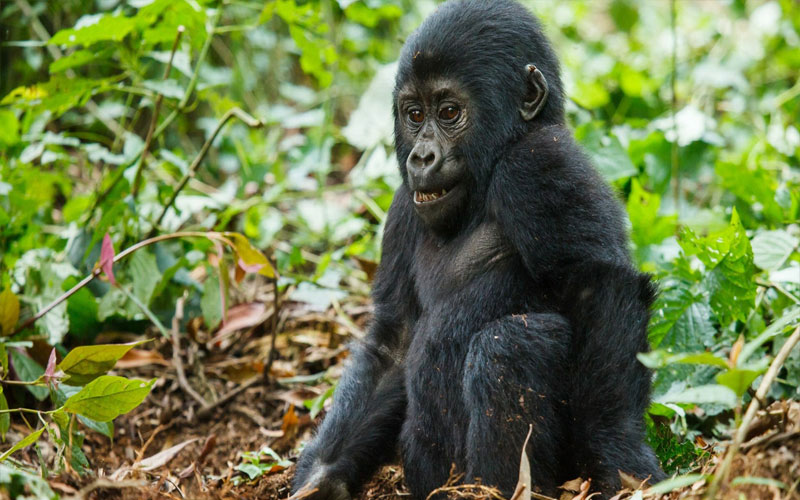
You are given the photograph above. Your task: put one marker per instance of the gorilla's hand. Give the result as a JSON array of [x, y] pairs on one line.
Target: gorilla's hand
[[322, 487]]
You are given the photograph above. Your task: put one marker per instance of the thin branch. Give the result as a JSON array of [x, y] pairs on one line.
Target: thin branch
[[69, 293], [275, 312], [761, 393], [137, 180], [233, 112], [176, 355], [171, 117]]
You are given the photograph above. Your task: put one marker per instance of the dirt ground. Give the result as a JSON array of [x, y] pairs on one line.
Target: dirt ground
[[168, 448]]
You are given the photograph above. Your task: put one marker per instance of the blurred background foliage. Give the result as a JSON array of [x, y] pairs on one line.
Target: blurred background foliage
[[690, 109]]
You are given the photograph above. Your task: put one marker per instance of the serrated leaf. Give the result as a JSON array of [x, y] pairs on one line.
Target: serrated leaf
[[85, 363], [681, 320], [772, 248], [22, 443], [108, 397], [9, 311]]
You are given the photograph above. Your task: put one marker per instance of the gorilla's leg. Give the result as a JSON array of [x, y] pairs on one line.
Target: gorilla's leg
[[514, 376]]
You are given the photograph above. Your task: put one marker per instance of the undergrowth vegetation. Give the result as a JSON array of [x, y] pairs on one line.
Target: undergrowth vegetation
[[163, 152]]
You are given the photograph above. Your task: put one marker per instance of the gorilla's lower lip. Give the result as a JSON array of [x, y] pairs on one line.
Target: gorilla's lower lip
[[423, 197]]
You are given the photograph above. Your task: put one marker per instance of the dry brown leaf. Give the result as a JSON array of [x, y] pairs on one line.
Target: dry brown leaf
[[163, 457]]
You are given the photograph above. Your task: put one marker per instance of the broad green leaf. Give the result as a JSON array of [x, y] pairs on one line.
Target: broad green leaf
[[211, 303], [82, 311], [703, 394], [5, 418], [681, 320], [22, 443], [28, 370], [772, 248], [77, 58], [590, 94], [9, 127], [737, 379], [776, 328], [145, 274], [104, 28], [250, 258], [315, 405], [107, 397], [9, 311], [85, 363], [729, 269], [703, 358], [58, 95]]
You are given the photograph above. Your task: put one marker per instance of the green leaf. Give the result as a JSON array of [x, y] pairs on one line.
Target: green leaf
[[681, 320], [729, 269], [145, 274], [9, 127], [702, 394], [315, 405], [108, 397], [5, 418], [105, 28], [703, 358], [590, 94], [9, 311], [104, 428], [77, 58], [210, 303], [22, 443], [82, 310], [29, 370], [737, 379], [648, 228], [85, 363], [250, 258], [772, 248], [775, 328]]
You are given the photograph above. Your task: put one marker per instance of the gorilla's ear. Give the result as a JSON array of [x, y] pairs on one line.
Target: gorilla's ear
[[535, 94]]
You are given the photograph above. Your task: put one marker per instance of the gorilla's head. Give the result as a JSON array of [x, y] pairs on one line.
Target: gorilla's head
[[473, 78]]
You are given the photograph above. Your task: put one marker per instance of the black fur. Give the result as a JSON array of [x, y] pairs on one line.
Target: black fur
[[528, 312]]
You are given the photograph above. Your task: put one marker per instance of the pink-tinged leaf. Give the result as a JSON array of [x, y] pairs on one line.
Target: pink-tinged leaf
[[50, 371], [107, 258], [250, 268]]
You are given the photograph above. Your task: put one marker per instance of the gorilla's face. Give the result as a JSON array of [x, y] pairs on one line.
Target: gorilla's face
[[433, 118]]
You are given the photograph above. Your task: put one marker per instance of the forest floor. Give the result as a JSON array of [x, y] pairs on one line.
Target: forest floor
[[168, 449]]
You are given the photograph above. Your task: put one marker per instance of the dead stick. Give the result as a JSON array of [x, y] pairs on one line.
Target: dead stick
[[176, 355], [761, 393], [275, 311]]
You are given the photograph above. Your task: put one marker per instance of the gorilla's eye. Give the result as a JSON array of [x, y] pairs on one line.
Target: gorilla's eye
[[449, 113], [416, 116]]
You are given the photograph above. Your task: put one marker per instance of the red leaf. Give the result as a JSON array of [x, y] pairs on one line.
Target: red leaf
[[107, 258], [50, 371]]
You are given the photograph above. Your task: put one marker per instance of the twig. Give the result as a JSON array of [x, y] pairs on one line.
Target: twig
[[98, 271], [275, 311], [208, 408], [176, 354], [137, 180], [170, 118], [233, 112], [761, 393]]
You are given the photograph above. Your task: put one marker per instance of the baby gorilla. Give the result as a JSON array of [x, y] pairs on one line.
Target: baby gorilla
[[505, 298]]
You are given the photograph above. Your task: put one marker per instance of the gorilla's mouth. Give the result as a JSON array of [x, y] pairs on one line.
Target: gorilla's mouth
[[421, 197]]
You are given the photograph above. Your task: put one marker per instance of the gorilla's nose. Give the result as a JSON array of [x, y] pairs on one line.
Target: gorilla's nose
[[424, 159]]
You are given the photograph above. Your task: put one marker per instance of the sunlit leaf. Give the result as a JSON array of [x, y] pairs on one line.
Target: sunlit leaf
[[22, 443], [85, 363], [9, 311], [107, 397]]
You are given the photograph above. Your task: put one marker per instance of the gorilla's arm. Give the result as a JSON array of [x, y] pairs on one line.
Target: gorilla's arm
[[569, 230], [360, 433]]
